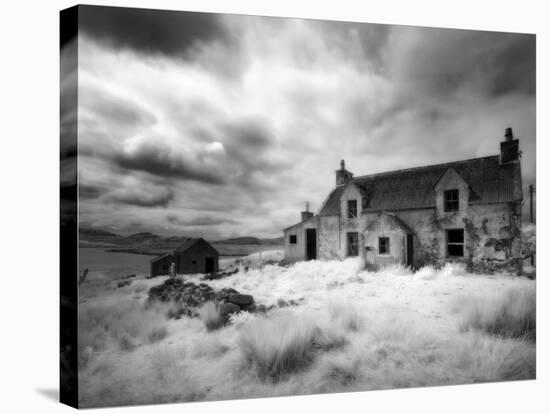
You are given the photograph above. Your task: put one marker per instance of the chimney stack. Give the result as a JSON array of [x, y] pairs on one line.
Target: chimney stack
[[509, 148], [306, 214], [343, 175], [508, 134]]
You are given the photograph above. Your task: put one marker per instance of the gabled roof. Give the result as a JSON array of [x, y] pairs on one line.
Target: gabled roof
[[191, 242], [162, 256], [489, 181], [400, 223], [331, 206]]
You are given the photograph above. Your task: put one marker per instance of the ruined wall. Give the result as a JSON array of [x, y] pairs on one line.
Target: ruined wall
[[381, 225], [492, 239], [347, 225], [328, 234]]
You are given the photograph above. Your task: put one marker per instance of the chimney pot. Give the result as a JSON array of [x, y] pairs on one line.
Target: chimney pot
[[342, 165], [508, 134]]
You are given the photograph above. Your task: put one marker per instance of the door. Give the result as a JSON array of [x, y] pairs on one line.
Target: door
[[311, 244], [410, 249], [208, 265]]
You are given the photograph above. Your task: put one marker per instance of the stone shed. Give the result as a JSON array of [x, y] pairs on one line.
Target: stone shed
[[195, 255]]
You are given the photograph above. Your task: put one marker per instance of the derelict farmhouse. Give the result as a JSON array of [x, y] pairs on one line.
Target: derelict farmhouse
[[465, 210]]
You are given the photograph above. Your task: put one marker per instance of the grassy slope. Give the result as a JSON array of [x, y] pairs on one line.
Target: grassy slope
[[353, 330]]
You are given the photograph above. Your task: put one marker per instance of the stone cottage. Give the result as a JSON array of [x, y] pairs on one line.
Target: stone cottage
[[465, 210]]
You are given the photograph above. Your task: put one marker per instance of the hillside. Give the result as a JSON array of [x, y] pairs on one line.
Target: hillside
[[150, 243]]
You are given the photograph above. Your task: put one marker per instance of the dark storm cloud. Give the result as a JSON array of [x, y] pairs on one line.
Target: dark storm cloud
[[91, 190], [151, 31], [248, 142], [159, 159], [199, 221], [159, 197], [441, 62], [515, 66]]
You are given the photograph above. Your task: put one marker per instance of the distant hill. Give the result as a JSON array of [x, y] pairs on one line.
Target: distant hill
[[147, 241], [251, 240]]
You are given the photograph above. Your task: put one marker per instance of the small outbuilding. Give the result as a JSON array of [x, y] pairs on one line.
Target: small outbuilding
[[161, 265], [196, 255]]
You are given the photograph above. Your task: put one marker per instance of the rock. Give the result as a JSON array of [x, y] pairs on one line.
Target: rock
[[227, 308], [261, 308], [182, 293], [220, 275], [241, 300], [129, 276], [223, 295], [281, 303], [123, 283]]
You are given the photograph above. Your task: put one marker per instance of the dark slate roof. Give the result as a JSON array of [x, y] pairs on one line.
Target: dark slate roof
[[191, 242], [489, 181], [331, 206]]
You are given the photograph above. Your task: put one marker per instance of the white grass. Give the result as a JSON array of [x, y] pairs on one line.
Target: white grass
[[508, 314], [351, 330]]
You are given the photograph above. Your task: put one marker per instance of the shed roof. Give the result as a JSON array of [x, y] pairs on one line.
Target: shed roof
[[489, 181], [191, 242], [162, 256]]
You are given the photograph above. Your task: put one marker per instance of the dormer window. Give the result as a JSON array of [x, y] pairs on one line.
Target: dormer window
[[352, 208], [451, 200]]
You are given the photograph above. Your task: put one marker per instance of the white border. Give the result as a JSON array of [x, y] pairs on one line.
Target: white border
[[30, 177]]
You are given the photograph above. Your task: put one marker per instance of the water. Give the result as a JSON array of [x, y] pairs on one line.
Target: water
[[111, 265], [102, 264]]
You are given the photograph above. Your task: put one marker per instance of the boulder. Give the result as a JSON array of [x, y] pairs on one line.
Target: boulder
[[123, 283], [224, 294], [227, 308], [241, 300]]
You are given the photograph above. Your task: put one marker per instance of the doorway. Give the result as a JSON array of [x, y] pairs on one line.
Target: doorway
[[311, 244], [208, 265], [410, 250]]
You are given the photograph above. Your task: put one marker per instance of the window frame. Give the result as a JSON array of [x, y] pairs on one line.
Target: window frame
[[455, 243], [292, 239], [386, 240], [349, 249], [352, 202], [451, 204]]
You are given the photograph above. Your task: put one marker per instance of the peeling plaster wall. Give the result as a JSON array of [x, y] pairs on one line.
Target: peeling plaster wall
[[329, 237], [351, 225], [382, 225]]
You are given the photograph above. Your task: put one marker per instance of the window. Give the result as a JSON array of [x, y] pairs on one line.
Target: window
[[352, 208], [455, 242], [292, 239], [383, 245], [353, 244], [451, 200]]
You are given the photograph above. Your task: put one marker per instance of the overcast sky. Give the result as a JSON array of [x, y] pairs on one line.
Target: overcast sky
[[225, 125]]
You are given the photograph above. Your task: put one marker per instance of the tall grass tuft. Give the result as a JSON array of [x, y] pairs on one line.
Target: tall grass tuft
[[279, 346], [210, 315], [509, 315]]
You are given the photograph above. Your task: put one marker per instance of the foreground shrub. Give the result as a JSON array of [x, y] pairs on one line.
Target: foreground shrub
[[122, 322], [210, 315], [510, 315], [279, 346]]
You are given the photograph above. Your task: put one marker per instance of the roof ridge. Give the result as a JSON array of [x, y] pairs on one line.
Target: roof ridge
[[422, 167]]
